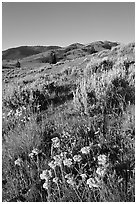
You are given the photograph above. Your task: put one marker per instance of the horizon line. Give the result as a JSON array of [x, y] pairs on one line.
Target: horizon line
[[30, 45]]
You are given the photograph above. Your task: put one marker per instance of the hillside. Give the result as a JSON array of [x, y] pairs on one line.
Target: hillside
[[68, 129], [25, 51], [42, 54]]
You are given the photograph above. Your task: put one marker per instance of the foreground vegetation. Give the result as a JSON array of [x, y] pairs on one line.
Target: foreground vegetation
[[70, 136]]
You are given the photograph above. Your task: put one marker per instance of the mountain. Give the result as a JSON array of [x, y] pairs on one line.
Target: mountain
[[44, 54], [25, 51]]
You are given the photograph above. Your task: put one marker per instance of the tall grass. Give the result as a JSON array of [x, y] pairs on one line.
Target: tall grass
[[74, 150]]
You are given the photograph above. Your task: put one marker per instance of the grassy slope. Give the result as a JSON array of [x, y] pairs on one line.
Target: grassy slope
[[71, 97], [42, 54], [24, 51]]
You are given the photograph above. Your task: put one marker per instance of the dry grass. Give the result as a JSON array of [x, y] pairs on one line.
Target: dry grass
[[97, 120]]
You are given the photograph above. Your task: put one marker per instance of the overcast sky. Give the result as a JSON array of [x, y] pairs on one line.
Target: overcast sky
[[64, 23]]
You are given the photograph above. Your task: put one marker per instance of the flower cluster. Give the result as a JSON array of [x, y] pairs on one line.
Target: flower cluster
[[93, 182], [103, 164], [77, 158], [46, 175], [34, 152], [102, 160], [67, 162], [85, 150], [70, 180], [52, 164], [101, 171], [55, 142], [58, 160]]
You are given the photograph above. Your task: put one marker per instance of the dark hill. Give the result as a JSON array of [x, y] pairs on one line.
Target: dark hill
[[25, 51], [42, 54]]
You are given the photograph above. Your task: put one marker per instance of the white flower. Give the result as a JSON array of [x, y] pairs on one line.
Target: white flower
[[52, 164], [55, 139], [101, 171], [18, 162], [44, 175], [67, 162], [84, 176], [45, 185], [35, 151], [77, 158], [50, 173], [93, 183], [55, 180], [85, 150], [58, 160], [63, 155], [31, 155], [56, 142], [71, 181], [102, 160]]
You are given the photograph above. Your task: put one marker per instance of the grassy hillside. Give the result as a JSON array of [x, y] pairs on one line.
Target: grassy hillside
[[42, 54], [69, 128], [25, 51]]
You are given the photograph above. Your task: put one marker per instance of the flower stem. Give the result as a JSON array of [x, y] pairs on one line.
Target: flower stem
[[77, 194], [57, 185]]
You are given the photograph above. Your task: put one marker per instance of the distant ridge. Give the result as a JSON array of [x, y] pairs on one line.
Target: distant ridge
[[42, 53], [25, 51]]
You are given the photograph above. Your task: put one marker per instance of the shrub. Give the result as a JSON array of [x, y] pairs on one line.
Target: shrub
[[18, 65]]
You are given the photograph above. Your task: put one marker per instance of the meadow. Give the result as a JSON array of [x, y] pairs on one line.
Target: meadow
[[68, 129]]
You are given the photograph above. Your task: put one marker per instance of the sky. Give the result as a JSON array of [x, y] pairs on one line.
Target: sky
[[64, 23]]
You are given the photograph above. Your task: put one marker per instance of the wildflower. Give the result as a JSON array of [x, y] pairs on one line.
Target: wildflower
[[101, 171], [77, 158], [44, 175], [102, 159], [45, 185], [67, 162], [93, 182], [63, 154], [85, 150], [58, 160], [71, 181], [50, 173], [55, 180], [56, 142], [18, 162], [84, 176], [35, 151], [31, 155], [52, 164]]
